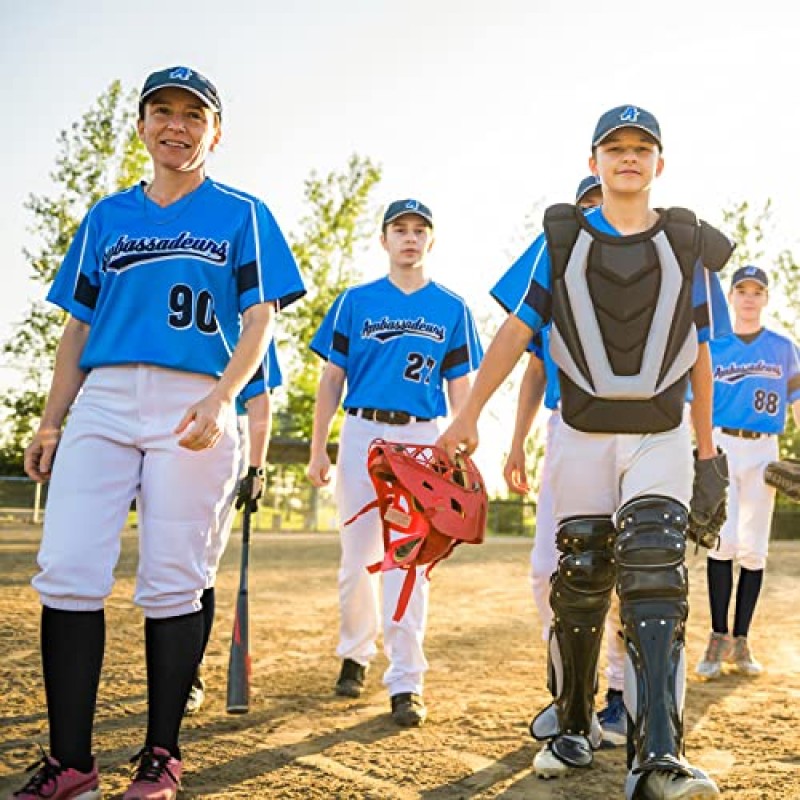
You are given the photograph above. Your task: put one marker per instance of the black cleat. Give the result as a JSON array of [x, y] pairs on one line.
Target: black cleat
[[408, 710], [351, 679]]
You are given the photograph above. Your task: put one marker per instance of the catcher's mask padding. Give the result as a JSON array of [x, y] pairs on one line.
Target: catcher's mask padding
[[428, 503]]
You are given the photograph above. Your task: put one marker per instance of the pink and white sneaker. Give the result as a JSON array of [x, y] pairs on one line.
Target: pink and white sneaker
[[158, 776], [53, 782]]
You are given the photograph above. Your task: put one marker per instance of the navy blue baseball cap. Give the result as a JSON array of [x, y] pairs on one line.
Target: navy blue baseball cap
[[626, 117], [183, 78], [586, 186], [400, 207], [750, 273]]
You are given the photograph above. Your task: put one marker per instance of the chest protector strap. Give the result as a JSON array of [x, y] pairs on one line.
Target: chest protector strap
[[624, 335]]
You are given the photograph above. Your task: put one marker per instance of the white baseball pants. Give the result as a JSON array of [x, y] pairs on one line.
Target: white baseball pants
[[362, 611], [220, 533], [119, 444], [745, 534], [544, 561]]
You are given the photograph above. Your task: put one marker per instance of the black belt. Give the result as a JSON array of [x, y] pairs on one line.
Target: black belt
[[387, 417], [743, 434]]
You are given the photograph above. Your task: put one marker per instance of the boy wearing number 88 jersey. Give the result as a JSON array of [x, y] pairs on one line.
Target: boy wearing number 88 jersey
[[395, 342], [756, 376]]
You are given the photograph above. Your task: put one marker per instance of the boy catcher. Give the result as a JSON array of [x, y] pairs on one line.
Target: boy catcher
[[625, 289], [540, 384]]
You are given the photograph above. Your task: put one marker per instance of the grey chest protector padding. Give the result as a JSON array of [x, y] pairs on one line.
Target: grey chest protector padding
[[653, 591], [624, 336]]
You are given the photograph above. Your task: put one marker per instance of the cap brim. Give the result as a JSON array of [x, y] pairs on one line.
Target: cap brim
[[627, 125], [761, 283], [587, 190], [407, 212], [199, 95]]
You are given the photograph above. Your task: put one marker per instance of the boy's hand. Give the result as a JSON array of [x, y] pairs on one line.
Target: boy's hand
[[318, 470], [460, 436], [514, 472], [40, 453]]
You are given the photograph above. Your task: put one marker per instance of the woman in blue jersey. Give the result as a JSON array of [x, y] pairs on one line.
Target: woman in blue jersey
[[756, 381], [171, 288]]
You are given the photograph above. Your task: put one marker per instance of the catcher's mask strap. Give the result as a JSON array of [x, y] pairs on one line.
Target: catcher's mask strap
[[368, 507], [405, 594]]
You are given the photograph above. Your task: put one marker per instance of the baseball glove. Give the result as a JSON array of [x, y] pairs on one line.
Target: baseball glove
[[428, 504], [707, 510], [250, 489], [784, 475]]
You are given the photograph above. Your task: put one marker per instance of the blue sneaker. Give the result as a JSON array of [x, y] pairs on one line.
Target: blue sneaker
[[614, 720]]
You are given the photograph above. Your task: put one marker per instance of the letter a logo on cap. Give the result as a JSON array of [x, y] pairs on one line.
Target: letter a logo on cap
[[630, 114], [413, 205], [181, 73]]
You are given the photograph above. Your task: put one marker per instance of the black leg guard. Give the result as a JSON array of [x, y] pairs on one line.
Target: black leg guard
[[580, 596], [652, 585]]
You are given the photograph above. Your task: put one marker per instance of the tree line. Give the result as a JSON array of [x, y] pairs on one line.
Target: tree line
[[101, 153]]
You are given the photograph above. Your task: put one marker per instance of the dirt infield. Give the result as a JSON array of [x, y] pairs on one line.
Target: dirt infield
[[485, 682]]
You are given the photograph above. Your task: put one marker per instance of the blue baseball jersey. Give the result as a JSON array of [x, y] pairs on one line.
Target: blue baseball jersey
[[525, 289], [397, 349], [168, 286], [754, 381], [540, 347]]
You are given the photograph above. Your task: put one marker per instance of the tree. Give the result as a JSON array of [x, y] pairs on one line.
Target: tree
[[99, 154], [337, 226], [752, 230]]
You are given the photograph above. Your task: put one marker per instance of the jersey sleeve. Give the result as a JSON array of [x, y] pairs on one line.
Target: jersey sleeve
[[524, 290], [465, 352], [268, 376], [331, 342], [536, 346], [710, 308], [77, 282], [267, 271]]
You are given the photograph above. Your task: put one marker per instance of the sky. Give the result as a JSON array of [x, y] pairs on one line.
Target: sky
[[482, 110]]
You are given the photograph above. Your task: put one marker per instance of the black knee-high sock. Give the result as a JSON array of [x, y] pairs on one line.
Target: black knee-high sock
[[720, 588], [173, 648], [72, 656], [208, 602], [746, 598]]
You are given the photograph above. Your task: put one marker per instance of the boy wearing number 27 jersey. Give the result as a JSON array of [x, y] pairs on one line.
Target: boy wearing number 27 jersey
[[392, 348]]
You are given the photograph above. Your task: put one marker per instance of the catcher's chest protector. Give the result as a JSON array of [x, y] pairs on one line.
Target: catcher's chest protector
[[428, 505], [623, 334]]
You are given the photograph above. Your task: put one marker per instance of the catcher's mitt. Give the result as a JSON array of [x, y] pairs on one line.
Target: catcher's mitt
[[784, 475], [707, 510], [428, 504]]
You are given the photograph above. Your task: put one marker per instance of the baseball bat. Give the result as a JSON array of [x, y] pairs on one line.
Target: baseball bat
[[238, 701]]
